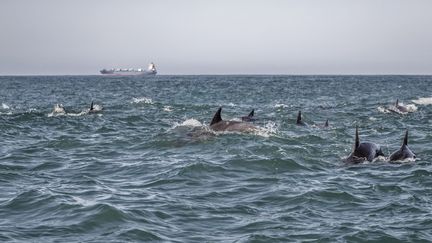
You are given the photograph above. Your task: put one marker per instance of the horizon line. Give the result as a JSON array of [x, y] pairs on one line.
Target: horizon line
[[231, 74]]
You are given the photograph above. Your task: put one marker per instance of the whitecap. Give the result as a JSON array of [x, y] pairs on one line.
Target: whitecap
[[281, 106], [78, 114], [167, 108], [5, 106], [144, 100], [383, 109], [423, 101], [55, 114]]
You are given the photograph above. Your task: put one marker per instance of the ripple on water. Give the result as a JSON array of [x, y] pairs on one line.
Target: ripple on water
[[150, 169]]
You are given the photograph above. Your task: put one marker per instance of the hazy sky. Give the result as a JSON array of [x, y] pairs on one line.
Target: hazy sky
[[217, 37]]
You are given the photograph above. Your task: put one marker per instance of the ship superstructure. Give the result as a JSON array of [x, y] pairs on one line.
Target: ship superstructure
[[151, 70]]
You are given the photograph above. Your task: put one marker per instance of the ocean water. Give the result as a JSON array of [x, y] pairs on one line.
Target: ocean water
[[148, 168]]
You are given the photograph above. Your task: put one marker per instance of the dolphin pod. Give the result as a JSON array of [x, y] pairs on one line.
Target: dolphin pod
[[364, 151]]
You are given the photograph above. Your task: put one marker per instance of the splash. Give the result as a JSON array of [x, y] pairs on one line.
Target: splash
[[78, 114], [97, 107], [144, 100], [188, 123], [269, 129], [383, 109], [411, 108], [57, 111], [423, 101]]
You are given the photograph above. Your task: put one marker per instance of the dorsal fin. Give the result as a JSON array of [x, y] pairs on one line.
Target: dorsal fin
[[326, 123], [91, 106], [397, 102], [357, 139], [217, 117], [299, 117], [251, 114], [405, 142]]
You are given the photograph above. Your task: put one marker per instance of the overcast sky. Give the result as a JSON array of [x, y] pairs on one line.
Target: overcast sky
[[217, 37]]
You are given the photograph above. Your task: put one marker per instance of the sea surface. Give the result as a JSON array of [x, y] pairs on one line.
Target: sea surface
[[148, 168]]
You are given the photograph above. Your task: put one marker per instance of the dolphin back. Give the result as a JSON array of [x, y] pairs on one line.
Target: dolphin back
[[217, 117], [404, 152], [252, 113]]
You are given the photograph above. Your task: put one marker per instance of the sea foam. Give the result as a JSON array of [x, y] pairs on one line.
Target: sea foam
[[423, 101]]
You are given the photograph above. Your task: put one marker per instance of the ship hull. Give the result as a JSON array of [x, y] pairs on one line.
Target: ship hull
[[119, 73], [130, 71]]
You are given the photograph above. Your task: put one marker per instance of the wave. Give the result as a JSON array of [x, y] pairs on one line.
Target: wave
[[140, 235], [200, 169], [423, 101]]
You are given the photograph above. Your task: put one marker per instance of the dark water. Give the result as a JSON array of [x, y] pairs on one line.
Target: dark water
[[148, 169]]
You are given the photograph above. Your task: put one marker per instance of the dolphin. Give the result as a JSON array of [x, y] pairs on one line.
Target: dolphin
[[299, 120], [404, 152], [250, 117], [217, 124], [94, 109], [325, 125], [363, 151], [400, 107]]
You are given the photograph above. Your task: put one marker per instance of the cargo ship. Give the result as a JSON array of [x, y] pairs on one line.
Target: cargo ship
[[151, 70]]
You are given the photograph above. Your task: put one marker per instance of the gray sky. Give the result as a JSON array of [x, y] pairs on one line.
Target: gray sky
[[217, 37]]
